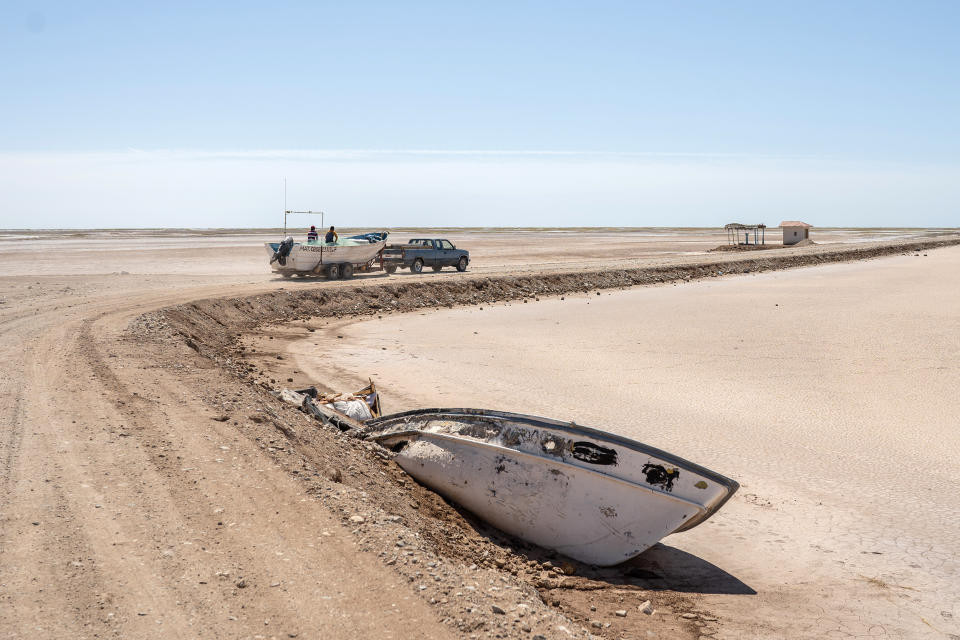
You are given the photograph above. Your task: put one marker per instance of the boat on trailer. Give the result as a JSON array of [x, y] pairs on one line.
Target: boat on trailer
[[339, 259], [594, 496]]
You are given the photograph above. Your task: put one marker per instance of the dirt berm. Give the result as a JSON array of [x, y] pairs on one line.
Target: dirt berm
[[210, 325]]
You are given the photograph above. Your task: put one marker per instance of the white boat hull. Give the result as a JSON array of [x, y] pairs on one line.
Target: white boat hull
[[305, 257], [595, 497]]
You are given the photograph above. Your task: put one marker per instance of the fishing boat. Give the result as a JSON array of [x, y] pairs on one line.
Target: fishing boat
[[340, 259], [593, 496]]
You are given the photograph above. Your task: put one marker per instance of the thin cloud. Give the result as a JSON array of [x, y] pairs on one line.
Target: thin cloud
[[351, 154]]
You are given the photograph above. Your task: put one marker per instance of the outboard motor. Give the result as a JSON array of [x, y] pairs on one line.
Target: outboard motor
[[280, 255]]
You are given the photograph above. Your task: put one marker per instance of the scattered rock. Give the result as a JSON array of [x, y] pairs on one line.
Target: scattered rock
[[357, 519], [620, 613], [241, 583], [497, 610]]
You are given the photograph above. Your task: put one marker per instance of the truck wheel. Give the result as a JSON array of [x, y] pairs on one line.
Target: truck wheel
[[346, 271], [286, 274], [333, 271], [436, 267], [417, 266], [390, 269], [462, 264]]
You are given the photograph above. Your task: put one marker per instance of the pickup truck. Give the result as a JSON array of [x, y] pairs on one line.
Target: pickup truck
[[424, 252]]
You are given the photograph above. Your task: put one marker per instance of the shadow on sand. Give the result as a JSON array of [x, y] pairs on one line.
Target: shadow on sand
[[311, 278], [665, 568], [659, 568]]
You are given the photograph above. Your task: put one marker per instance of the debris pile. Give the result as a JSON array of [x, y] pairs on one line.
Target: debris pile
[[346, 411]]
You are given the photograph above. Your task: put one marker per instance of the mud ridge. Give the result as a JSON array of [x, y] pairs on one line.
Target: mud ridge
[[197, 321]]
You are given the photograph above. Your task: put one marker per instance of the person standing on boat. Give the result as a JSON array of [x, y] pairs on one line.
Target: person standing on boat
[[331, 236], [312, 234]]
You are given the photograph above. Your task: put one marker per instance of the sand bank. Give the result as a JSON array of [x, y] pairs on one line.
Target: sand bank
[[828, 392]]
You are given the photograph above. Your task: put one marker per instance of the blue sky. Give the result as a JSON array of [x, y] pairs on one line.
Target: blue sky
[[562, 113]]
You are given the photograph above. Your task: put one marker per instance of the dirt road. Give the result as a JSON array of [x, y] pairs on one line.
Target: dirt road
[[128, 512]]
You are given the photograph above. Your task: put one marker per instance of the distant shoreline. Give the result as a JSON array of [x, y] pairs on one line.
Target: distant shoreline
[[79, 231]]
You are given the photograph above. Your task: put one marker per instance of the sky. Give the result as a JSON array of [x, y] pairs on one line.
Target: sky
[[120, 114]]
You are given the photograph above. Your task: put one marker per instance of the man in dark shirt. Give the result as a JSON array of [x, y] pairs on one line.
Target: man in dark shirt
[[331, 236], [312, 235]]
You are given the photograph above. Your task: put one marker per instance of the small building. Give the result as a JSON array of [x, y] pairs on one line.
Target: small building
[[758, 232], [795, 231]]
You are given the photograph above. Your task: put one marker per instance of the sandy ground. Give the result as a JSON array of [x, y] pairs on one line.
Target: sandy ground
[[828, 392], [125, 511], [238, 254]]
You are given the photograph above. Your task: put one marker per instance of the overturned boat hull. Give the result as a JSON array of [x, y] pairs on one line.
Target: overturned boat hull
[[594, 496]]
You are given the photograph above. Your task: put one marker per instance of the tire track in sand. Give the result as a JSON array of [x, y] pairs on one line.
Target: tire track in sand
[[132, 496]]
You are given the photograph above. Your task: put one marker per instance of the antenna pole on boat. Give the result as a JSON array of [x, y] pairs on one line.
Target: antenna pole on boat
[[287, 212], [314, 213]]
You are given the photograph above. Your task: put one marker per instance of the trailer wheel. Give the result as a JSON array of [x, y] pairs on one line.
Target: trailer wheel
[[346, 271], [286, 274], [462, 264], [390, 270], [437, 267], [417, 266], [333, 271]]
